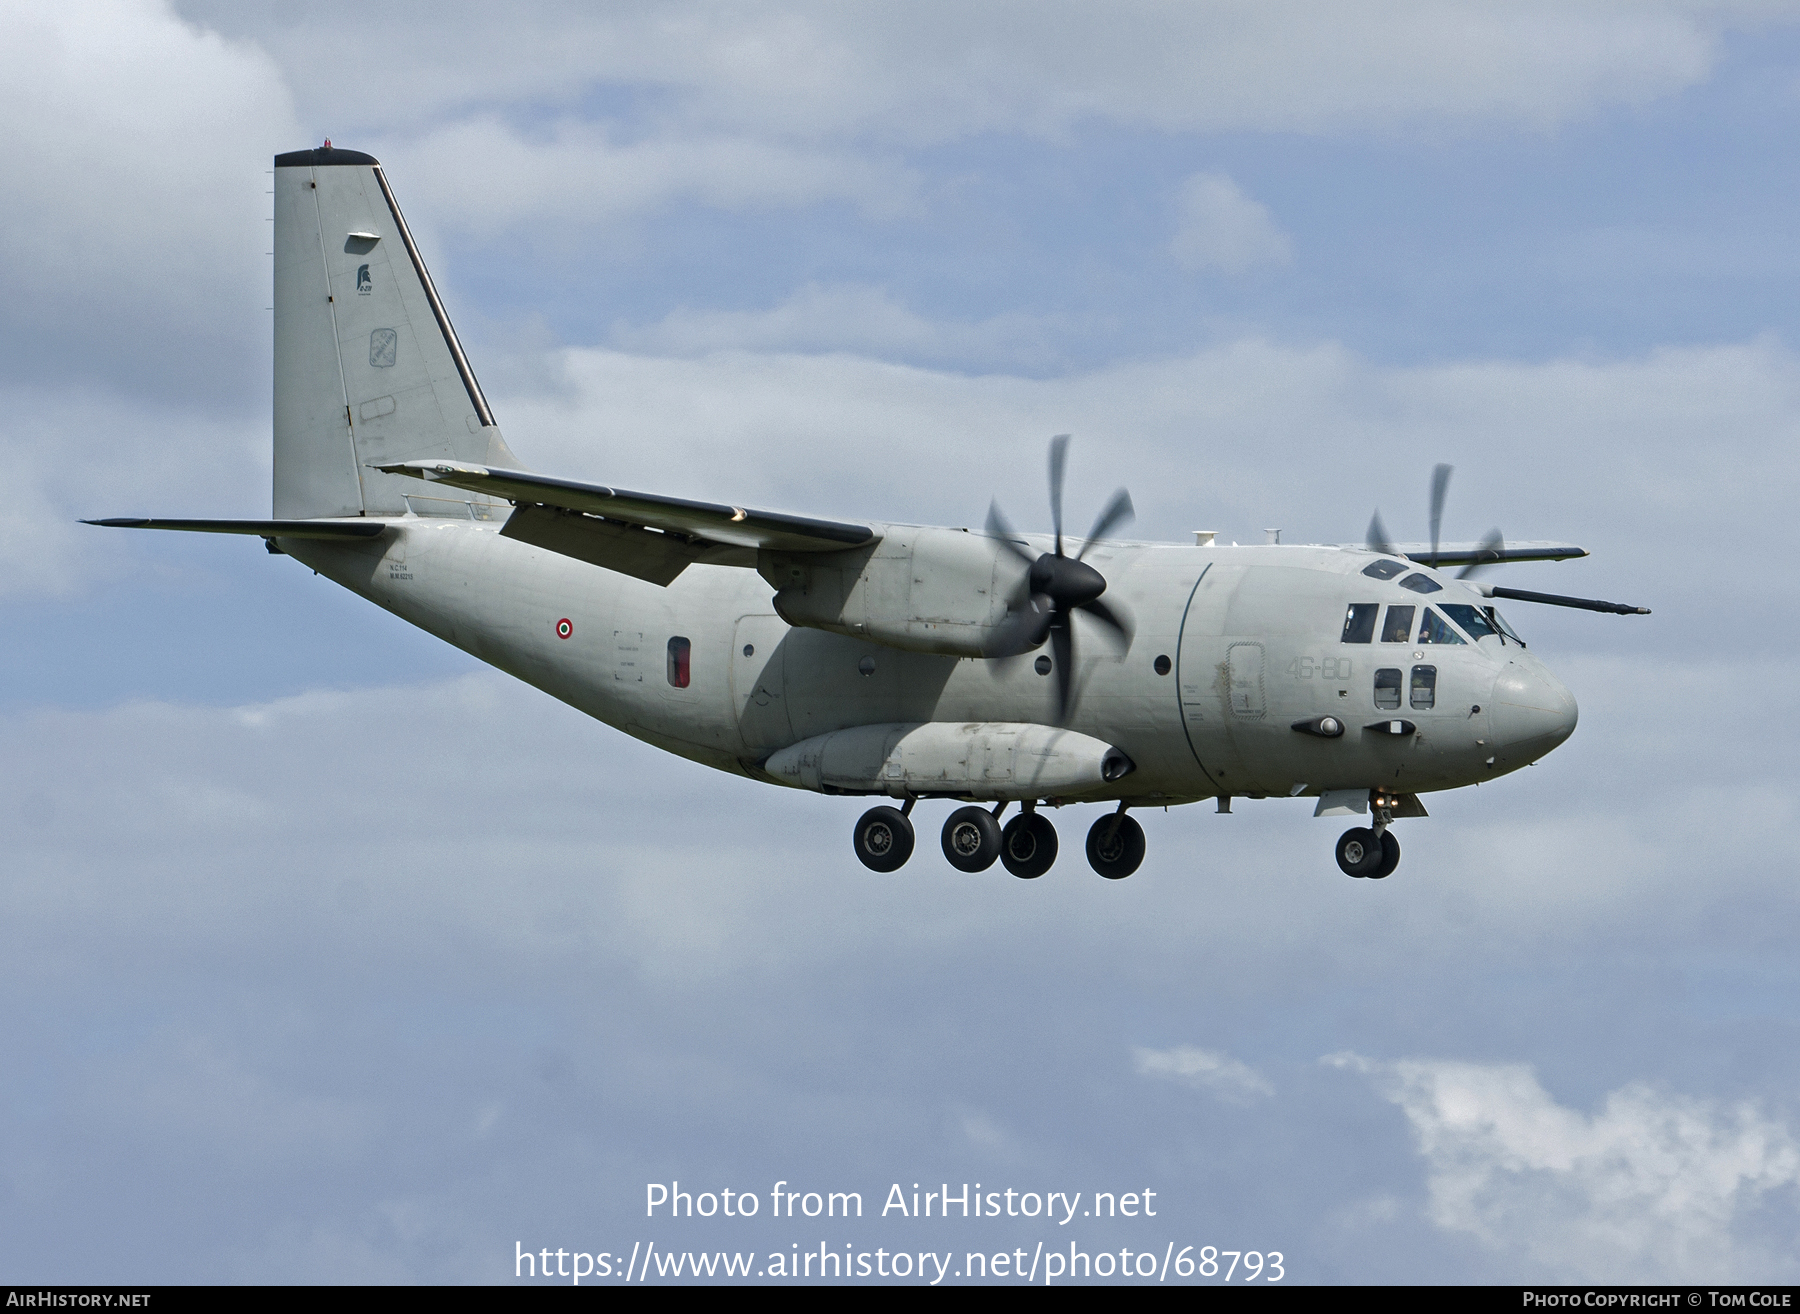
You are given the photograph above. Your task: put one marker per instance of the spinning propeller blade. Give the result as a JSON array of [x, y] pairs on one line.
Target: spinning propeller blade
[[1440, 485], [1056, 586]]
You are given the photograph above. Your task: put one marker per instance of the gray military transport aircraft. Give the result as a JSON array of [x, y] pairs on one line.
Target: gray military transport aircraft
[[899, 661]]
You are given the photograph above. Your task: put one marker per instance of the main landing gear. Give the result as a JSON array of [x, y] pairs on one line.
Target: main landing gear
[[973, 840], [1370, 852]]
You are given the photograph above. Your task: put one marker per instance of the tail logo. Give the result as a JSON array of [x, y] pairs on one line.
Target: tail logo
[[364, 284]]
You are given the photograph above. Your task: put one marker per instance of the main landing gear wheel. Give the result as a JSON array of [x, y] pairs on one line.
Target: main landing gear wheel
[[1028, 845], [883, 839], [1360, 852], [1115, 846], [1390, 856], [971, 839]]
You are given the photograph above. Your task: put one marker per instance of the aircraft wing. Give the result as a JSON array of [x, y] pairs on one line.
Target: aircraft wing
[[715, 523], [1470, 554], [354, 528]]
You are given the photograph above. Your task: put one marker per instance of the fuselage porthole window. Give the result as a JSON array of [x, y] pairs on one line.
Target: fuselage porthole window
[[1384, 569], [679, 669], [1398, 626], [1421, 584], [1359, 622], [1424, 687], [1435, 629], [1387, 688]]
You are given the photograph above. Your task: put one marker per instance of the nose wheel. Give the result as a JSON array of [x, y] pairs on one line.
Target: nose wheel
[[1363, 853]]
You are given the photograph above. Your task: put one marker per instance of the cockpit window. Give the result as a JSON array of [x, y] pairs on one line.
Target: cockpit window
[[1359, 622], [1473, 623], [1398, 626], [1493, 614], [1387, 688], [1435, 629], [1421, 584], [1383, 569]]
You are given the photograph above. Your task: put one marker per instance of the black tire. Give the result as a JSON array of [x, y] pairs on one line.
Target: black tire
[[1390, 857], [883, 839], [1028, 845], [971, 839], [1115, 846], [1359, 852]]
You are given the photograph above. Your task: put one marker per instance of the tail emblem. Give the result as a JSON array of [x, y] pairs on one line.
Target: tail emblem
[[363, 282]]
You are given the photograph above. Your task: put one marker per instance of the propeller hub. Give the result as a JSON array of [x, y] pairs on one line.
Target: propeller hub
[[1069, 582]]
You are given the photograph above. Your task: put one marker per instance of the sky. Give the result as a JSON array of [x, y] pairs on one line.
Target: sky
[[333, 955]]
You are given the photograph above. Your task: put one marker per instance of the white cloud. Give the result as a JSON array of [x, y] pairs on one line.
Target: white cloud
[[933, 70], [578, 173], [1204, 1069], [1221, 228], [862, 320], [138, 148], [1648, 1188]]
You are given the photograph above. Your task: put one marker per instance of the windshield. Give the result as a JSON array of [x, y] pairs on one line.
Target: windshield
[[1474, 624], [1435, 629], [1493, 614]]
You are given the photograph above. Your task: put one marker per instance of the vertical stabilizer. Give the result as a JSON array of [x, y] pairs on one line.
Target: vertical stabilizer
[[368, 369]]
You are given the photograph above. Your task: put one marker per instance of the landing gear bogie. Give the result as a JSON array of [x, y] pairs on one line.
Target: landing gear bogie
[[1115, 846], [883, 839], [972, 839], [1028, 845]]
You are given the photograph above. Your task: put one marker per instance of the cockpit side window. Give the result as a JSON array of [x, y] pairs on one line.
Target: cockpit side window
[[1473, 623], [1398, 626], [1384, 569], [1435, 629], [1359, 622], [1424, 687], [1493, 614], [1387, 688], [1421, 584]]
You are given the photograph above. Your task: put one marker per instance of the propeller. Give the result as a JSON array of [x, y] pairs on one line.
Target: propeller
[[1057, 585], [1487, 553]]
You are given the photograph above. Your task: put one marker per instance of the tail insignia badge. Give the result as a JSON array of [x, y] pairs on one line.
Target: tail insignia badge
[[364, 284]]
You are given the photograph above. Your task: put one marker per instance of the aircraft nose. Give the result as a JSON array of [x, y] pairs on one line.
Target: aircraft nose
[[1533, 711]]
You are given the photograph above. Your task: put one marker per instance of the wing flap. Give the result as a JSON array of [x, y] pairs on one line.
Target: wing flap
[[731, 525], [629, 549]]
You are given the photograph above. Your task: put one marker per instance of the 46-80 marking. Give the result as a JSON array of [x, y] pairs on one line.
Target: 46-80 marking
[[1326, 668]]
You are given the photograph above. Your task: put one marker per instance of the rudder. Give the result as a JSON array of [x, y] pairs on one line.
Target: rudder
[[368, 369]]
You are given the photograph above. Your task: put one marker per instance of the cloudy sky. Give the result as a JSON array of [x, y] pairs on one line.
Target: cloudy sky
[[332, 955]]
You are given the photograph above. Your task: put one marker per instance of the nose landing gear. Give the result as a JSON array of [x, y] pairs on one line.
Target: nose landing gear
[[1370, 852]]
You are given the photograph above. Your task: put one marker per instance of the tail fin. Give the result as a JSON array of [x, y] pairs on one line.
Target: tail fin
[[367, 368]]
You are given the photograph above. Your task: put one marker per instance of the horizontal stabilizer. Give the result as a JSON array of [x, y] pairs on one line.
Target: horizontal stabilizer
[[732, 525], [357, 528]]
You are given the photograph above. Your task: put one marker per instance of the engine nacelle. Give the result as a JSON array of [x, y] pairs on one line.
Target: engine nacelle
[[924, 590], [958, 759]]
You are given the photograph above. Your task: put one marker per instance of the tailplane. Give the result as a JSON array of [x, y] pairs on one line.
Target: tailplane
[[368, 370]]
